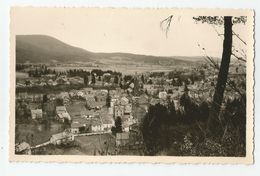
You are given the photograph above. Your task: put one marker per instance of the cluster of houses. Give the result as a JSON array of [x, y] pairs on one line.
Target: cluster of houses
[[199, 91], [64, 137], [50, 80], [24, 96], [62, 114], [84, 118], [23, 148], [121, 106]]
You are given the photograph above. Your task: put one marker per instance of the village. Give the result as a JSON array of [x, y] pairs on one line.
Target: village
[[102, 113]]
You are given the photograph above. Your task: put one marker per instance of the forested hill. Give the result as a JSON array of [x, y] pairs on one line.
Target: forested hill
[[43, 49]]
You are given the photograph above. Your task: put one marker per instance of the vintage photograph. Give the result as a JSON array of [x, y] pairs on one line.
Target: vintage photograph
[[148, 84]]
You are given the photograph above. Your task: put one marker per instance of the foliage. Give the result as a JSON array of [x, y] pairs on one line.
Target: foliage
[[108, 100], [116, 80], [157, 74], [59, 102], [118, 126], [86, 81], [128, 78], [39, 71], [99, 72], [93, 79], [77, 72], [22, 111], [165, 128], [219, 20]]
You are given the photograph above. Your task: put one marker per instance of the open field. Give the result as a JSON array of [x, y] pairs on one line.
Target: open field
[[36, 133], [93, 145], [124, 69], [21, 75]]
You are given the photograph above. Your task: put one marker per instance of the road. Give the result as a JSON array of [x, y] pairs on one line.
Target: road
[[74, 135]]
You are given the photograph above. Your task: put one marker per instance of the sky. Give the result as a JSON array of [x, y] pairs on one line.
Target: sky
[[120, 30]]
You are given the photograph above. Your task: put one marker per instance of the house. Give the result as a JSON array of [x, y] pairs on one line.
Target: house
[[62, 114], [163, 95], [51, 97], [61, 80], [127, 121], [80, 93], [36, 113], [122, 139], [129, 90], [61, 138], [76, 80], [96, 125], [23, 148], [113, 102], [88, 90], [105, 91], [107, 123], [124, 101], [132, 85], [74, 129], [35, 97], [63, 117], [118, 111], [111, 110], [125, 127], [106, 120], [60, 109], [128, 109], [80, 125], [65, 97]]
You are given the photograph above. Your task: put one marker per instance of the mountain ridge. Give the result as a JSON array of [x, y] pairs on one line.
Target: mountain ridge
[[44, 48]]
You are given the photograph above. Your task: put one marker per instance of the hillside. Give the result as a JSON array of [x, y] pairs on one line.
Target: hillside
[[42, 49], [46, 49]]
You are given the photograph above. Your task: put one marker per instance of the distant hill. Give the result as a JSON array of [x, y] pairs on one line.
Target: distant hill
[[42, 49], [46, 49]]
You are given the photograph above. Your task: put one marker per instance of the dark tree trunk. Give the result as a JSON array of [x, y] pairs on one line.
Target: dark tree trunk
[[214, 121]]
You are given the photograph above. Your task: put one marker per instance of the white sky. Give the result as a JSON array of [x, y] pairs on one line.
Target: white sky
[[122, 30]]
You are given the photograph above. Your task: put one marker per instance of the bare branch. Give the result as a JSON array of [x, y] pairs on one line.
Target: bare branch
[[235, 34], [166, 22], [208, 58], [215, 66], [239, 58], [233, 47], [220, 35]]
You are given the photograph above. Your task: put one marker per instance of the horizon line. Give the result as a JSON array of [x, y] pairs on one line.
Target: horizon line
[[116, 52]]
